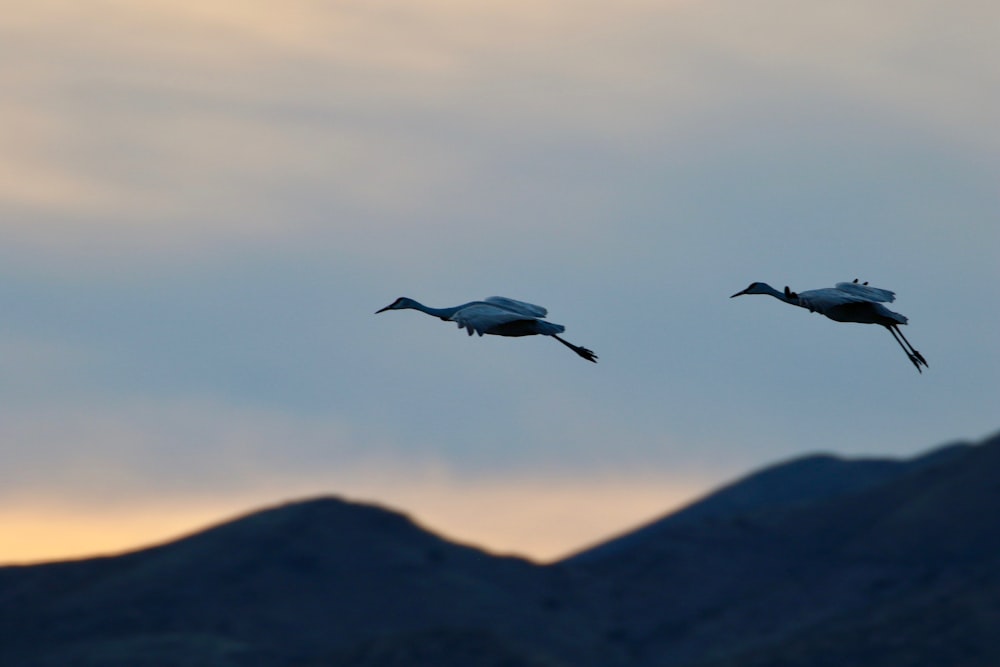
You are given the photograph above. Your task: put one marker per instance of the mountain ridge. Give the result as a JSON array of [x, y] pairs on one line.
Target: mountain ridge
[[798, 481], [766, 570]]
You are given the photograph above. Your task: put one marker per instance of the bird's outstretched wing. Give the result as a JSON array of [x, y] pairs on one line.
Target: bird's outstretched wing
[[515, 306], [825, 299], [482, 316], [867, 292]]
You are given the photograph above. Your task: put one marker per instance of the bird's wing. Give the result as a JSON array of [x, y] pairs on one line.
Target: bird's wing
[[867, 292], [520, 307], [819, 300], [482, 316]]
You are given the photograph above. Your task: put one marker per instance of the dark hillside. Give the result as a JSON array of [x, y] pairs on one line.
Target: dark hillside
[[281, 584], [770, 576], [784, 486], [820, 561]]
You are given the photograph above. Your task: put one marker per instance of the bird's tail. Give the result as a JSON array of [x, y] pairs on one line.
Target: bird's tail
[[549, 328], [891, 314]]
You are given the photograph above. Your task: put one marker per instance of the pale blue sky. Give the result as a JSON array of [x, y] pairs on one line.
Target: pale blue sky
[[201, 207]]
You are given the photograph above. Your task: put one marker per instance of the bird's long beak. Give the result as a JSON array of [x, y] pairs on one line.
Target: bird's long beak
[[739, 293], [380, 310]]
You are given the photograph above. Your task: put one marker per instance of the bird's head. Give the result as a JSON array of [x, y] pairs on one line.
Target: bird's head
[[399, 304], [754, 288]]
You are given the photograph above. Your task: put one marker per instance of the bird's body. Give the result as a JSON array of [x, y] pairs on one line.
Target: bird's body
[[847, 302], [497, 316]]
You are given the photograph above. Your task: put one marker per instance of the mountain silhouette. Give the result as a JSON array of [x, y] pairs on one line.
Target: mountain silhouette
[[817, 561], [274, 587]]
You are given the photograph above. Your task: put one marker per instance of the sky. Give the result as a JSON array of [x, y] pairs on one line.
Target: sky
[[203, 204]]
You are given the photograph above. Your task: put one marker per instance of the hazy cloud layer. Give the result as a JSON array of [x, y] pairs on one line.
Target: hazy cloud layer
[[202, 206]]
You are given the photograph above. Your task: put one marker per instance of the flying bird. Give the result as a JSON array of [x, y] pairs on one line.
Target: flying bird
[[498, 316], [848, 302]]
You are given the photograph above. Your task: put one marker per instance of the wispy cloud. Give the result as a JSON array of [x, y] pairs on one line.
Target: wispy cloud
[[175, 121], [532, 516], [201, 206]]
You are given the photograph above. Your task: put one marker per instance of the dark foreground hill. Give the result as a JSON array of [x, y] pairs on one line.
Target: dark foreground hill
[[819, 561], [284, 586]]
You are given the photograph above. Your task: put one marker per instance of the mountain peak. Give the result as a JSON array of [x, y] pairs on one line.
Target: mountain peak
[[784, 486], [818, 560]]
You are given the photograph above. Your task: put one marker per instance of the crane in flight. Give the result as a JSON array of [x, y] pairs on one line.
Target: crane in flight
[[498, 316], [847, 302]]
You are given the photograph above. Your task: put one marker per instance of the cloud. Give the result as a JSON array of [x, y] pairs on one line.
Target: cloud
[[180, 466], [100, 452], [533, 516], [203, 204], [169, 126]]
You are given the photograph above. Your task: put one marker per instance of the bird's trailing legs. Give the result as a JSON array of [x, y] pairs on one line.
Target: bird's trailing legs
[[582, 351], [914, 356]]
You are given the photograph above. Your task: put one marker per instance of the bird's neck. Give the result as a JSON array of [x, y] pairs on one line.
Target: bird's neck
[[794, 300], [443, 313]]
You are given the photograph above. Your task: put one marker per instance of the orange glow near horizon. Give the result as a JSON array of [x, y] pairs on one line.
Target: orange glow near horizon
[[539, 520]]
